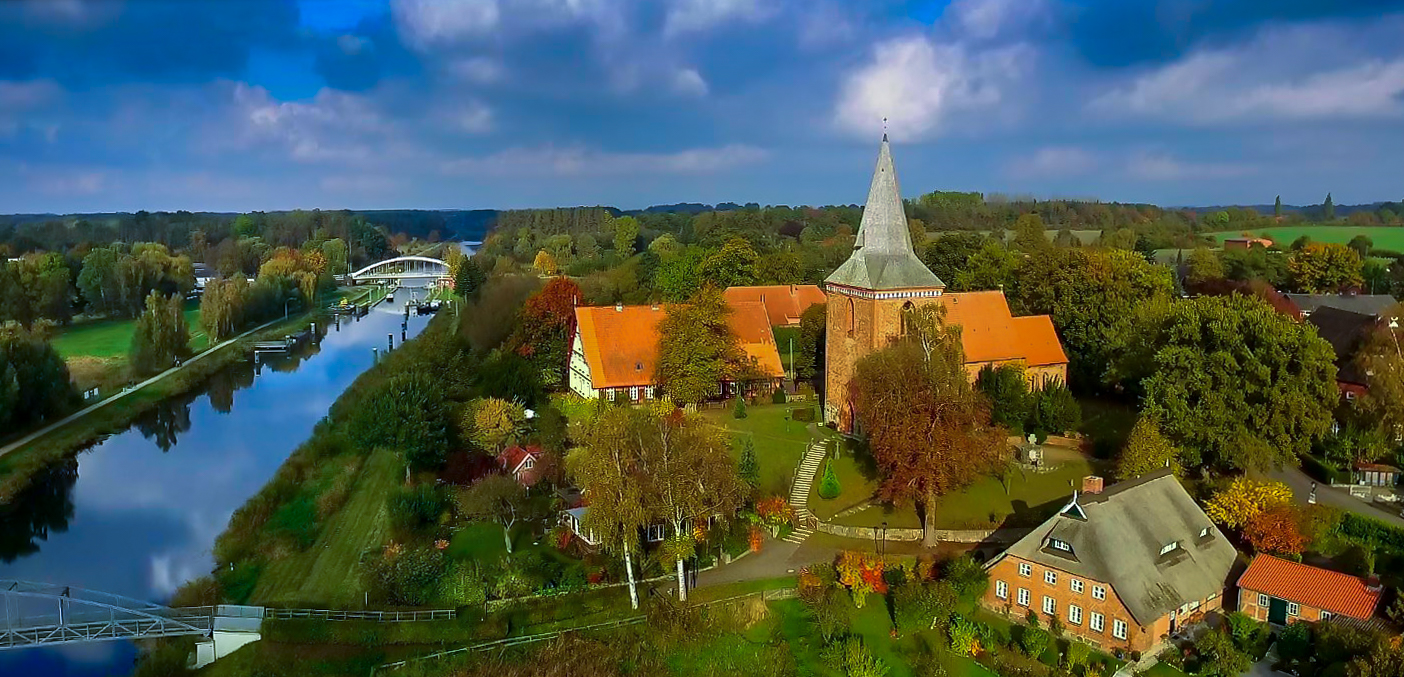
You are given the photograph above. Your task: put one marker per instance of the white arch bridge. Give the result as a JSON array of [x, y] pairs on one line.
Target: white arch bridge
[[401, 268], [38, 614]]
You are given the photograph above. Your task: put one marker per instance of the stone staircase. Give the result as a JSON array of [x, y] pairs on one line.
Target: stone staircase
[[799, 491]]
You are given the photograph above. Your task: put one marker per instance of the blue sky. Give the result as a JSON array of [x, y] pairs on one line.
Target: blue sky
[[276, 104]]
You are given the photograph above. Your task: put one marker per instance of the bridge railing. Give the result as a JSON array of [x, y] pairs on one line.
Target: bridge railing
[[378, 616]]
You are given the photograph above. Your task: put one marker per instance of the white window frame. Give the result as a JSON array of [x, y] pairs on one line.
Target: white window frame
[[1169, 547], [1074, 614], [649, 531], [528, 463], [1204, 533], [1050, 605], [1326, 616], [1076, 585], [1025, 569], [1119, 629], [1023, 597], [1099, 592], [1001, 590], [1294, 609], [1059, 545], [1262, 600], [1050, 577], [1097, 622]]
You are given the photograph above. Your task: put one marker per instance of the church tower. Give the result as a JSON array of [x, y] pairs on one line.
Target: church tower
[[867, 294]]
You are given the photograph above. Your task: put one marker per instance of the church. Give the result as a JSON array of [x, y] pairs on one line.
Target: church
[[883, 277]]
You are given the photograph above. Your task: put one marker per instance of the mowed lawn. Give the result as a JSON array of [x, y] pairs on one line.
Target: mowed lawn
[[780, 443], [1384, 237], [328, 572], [113, 338]]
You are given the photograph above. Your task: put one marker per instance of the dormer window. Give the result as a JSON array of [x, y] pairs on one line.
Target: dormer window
[[1169, 547], [1059, 545], [527, 464], [1204, 533]]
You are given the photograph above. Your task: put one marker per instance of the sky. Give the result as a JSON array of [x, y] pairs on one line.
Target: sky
[[239, 105]]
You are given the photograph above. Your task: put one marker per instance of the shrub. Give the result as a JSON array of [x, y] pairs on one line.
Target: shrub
[[1034, 642], [407, 575], [1321, 470], [463, 586], [852, 658], [802, 414], [1077, 655], [413, 509], [739, 411], [829, 487], [1247, 632], [965, 637], [777, 397], [1371, 532], [1219, 656], [968, 579], [239, 581], [918, 604], [297, 521], [1294, 642]]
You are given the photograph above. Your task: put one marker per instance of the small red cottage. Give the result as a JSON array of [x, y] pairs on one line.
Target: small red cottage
[[1280, 591], [521, 463]]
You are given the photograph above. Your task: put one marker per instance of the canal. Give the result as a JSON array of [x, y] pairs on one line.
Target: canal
[[138, 513]]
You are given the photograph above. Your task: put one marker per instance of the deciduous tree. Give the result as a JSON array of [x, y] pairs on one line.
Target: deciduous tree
[[697, 350], [626, 231], [929, 430], [497, 498], [1029, 234], [1323, 267], [1276, 531], [810, 362], [1007, 389], [495, 422], [1236, 384], [1243, 499], [731, 266], [1204, 266], [161, 336], [545, 263], [609, 468]]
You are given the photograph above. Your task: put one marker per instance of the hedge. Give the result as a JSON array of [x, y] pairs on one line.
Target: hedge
[[1373, 532], [802, 414], [1321, 470]]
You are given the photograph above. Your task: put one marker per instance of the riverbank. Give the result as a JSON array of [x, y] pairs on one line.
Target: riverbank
[[21, 459]]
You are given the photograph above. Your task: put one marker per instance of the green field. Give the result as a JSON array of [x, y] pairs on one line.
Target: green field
[[779, 442], [113, 338], [1384, 237]]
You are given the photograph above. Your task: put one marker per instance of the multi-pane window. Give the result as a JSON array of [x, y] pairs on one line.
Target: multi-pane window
[[1119, 629], [1099, 592], [1025, 569], [1262, 600], [1023, 596], [1293, 609], [1001, 590], [1076, 584], [1096, 621], [1326, 615], [1050, 577], [1074, 614], [1050, 605], [1169, 547]]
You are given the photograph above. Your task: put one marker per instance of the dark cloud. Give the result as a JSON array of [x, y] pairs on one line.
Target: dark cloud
[[1115, 33], [150, 40]]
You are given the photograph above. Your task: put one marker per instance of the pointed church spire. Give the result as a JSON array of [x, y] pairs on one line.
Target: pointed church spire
[[882, 252]]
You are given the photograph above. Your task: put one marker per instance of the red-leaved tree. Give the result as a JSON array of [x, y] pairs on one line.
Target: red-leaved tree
[[1276, 531]]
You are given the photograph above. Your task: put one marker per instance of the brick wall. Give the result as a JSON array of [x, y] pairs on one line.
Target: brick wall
[[1006, 570], [856, 328], [1248, 604]]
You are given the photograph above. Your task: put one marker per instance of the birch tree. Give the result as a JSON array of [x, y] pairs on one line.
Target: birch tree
[[607, 467]]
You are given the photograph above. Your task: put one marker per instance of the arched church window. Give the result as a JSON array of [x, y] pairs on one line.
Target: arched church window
[[907, 310], [852, 318]]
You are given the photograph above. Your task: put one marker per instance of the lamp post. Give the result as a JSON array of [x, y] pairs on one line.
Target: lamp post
[[883, 551], [285, 308]]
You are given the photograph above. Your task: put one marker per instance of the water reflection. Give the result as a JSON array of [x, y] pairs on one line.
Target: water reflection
[[43, 507]]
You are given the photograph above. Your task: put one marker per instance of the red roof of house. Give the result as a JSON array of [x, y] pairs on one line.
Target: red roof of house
[[990, 333], [1312, 586], [784, 304], [512, 456]]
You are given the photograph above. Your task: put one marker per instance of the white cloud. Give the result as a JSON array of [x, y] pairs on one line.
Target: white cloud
[[1301, 73], [333, 126], [478, 69], [427, 23], [1157, 166], [985, 19], [689, 82], [689, 16], [579, 161], [476, 118], [1053, 162], [914, 83]]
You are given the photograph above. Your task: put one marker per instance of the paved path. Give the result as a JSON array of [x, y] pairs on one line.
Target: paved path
[[1300, 483], [128, 391]]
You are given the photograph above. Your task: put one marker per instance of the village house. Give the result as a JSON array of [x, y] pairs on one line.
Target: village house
[[784, 303], [615, 350], [1247, 242], [521, 463], [1279, 591], [1123, 568], [870, 294]]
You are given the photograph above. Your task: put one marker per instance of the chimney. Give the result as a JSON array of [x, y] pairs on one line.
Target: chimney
[[1092, 484], [618, 307]]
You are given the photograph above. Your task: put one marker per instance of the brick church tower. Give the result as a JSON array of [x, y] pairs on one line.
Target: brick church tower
[[868, 293]]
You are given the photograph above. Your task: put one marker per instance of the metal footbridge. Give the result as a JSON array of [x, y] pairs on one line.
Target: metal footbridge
[[402, 268], [41, 614]]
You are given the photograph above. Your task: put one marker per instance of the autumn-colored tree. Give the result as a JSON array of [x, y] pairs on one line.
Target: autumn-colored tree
[[928, 429], [545, 263], [1146, 451], [1276, 531], [608, 468], [861, 573], [161, 336], [546, 328], [1323, 267], [497, 498], [697, 349], [775, 512], [689, 475], [1382, 360], [1244, 498], [222, 307], [494, 422]]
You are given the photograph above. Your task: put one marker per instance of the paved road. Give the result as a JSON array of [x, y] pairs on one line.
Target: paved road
[[1300, 483], [154, 379]]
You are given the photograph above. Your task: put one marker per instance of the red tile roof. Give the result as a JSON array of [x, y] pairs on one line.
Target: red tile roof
[[1312, 586], [784, 304], [512, 456], [621, 342], [990, 333]]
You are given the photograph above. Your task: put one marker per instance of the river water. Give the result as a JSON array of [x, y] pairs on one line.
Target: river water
[[137, 514]]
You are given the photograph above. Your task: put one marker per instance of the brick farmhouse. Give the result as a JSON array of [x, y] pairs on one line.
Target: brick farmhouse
[[1280, 592]]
